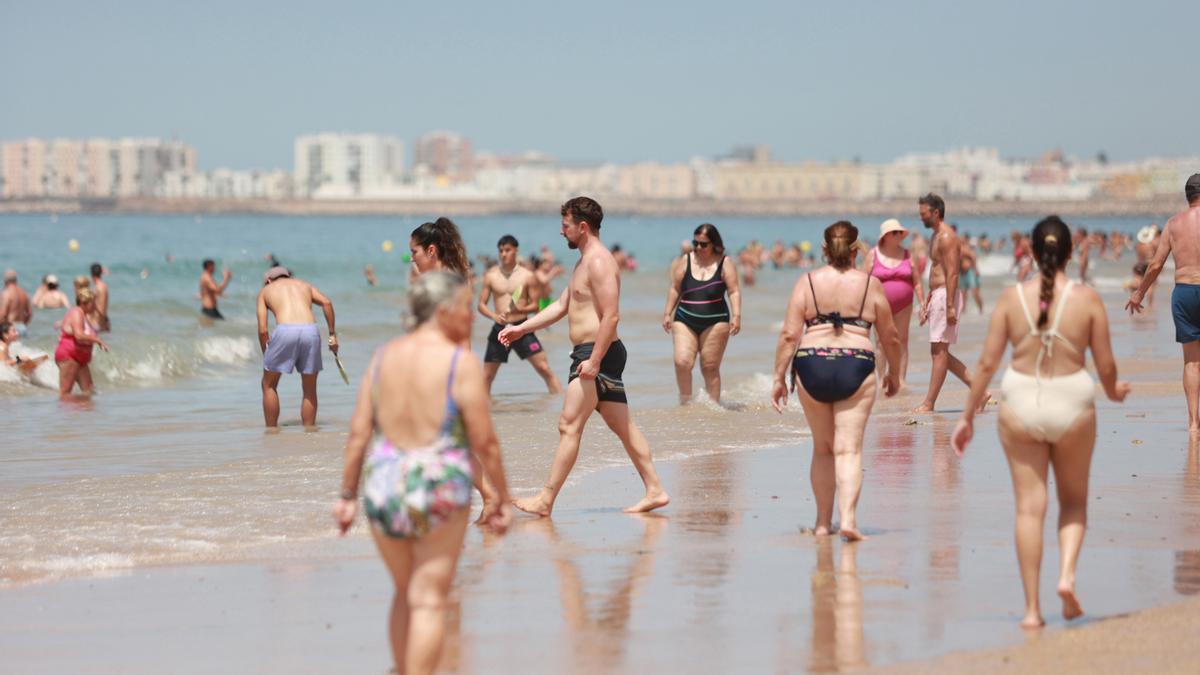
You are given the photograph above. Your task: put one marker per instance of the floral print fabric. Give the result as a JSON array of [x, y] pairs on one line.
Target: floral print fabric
[[408, 493]]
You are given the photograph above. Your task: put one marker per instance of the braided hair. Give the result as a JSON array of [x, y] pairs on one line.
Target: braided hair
[[1051, 249], [443, 235]]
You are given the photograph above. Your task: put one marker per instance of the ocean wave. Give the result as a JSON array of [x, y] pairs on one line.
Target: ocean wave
[[139, 364]]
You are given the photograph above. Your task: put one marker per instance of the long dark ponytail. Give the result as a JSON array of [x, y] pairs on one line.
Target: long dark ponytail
[[443, 235], [1051, 248]]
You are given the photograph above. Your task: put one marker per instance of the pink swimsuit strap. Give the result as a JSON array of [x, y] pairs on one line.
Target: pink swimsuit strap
[[901, 272]]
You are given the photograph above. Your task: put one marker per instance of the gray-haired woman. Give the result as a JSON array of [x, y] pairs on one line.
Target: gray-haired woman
[[422, 408]]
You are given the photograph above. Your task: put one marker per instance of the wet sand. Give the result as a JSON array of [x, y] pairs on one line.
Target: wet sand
[[723, 580]]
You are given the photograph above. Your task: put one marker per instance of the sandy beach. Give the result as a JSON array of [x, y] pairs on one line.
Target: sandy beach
[[158, 529], [722, 581]]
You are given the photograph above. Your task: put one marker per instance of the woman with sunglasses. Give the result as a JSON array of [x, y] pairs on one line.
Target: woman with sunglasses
[[891, 264], [697, 314]]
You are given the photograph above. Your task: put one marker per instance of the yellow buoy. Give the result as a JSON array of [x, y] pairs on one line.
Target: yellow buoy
[[386, 246], [73, 246], [805, 246]]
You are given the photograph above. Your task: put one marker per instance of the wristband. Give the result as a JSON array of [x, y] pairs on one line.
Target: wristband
[[349, 495]]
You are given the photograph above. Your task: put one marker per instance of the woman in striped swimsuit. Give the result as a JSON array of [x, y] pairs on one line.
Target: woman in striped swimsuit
[[697, 314]]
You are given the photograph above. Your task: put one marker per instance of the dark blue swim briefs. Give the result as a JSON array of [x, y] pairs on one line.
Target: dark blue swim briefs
[[1185, 308]]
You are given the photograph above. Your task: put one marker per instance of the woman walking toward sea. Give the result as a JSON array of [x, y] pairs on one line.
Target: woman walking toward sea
[[1047, 410], [826, 344], [422, 408], [890, 263], [697, 315]]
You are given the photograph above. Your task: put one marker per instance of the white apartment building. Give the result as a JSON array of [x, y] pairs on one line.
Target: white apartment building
[[343, 166], [96, 168], [226, 184]]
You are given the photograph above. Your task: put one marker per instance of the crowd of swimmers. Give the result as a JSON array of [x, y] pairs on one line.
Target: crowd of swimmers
[[422, 440], [79, 327]]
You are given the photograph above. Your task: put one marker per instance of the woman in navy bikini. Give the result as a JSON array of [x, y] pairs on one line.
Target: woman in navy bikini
[[826, 344], [697, 315]]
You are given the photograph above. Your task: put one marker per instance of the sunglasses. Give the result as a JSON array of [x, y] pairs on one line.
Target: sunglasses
[[701, 244]]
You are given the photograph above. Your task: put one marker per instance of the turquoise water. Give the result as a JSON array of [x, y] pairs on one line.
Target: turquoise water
[[170, 462]]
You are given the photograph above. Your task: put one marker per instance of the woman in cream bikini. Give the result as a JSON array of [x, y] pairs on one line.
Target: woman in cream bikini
[[1047, 410]]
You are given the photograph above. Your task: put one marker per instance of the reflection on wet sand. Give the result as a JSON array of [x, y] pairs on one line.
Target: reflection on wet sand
[[713, 485], [599, 621], [945, 527], [838, 641], [1187, 572]]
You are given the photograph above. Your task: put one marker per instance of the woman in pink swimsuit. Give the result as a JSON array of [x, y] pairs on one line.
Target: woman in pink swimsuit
[[890, 263]]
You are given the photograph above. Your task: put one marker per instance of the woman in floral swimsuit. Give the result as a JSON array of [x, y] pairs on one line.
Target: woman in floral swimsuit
[[421, 407]]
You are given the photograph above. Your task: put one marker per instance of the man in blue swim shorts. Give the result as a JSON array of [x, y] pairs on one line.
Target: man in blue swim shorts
[[1181, 240], [295, 344]]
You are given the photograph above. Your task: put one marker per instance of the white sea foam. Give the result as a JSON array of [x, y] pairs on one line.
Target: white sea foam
[[223, 350]]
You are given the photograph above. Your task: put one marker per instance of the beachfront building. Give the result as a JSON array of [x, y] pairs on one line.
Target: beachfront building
[[651, 180], [767, 181], [227, 184], [345, 166], [447, 156], [95, 168]]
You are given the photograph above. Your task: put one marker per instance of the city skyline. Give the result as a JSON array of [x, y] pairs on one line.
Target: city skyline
[[620, 84]]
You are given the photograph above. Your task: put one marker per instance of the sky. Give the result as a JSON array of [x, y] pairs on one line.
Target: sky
[[610, 81]]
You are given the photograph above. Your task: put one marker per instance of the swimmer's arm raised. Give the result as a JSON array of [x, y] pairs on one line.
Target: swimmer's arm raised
[[361, 425], [260, 312]]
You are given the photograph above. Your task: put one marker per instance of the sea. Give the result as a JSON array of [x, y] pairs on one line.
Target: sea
[[169, 462]]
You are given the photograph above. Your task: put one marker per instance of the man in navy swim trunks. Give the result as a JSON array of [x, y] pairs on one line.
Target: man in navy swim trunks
[[1181, 239], [590, 303], [295, 344]]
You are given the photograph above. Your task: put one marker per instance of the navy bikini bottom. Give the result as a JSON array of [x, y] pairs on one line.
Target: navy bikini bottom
[[831, 374]]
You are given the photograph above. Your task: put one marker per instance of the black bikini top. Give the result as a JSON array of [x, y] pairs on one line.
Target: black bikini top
[[836, 318]]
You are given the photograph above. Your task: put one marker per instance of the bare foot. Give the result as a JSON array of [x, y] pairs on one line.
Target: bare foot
[[987, 397], [489, 508], [1032, 621], [652, 500], [537, 505], [850, 533], [1070, 603], [821, 531], [923, 408]]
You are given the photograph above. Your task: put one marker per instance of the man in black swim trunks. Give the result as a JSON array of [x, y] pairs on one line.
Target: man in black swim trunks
[[210, 289], [590, 302], [511, 286]]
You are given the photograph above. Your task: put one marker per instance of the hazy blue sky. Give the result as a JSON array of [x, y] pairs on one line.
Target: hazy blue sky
[[610, 80]]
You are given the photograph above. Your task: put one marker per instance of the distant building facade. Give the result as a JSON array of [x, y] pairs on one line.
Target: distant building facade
[[446, 155], [341, 166], [95, 168]]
